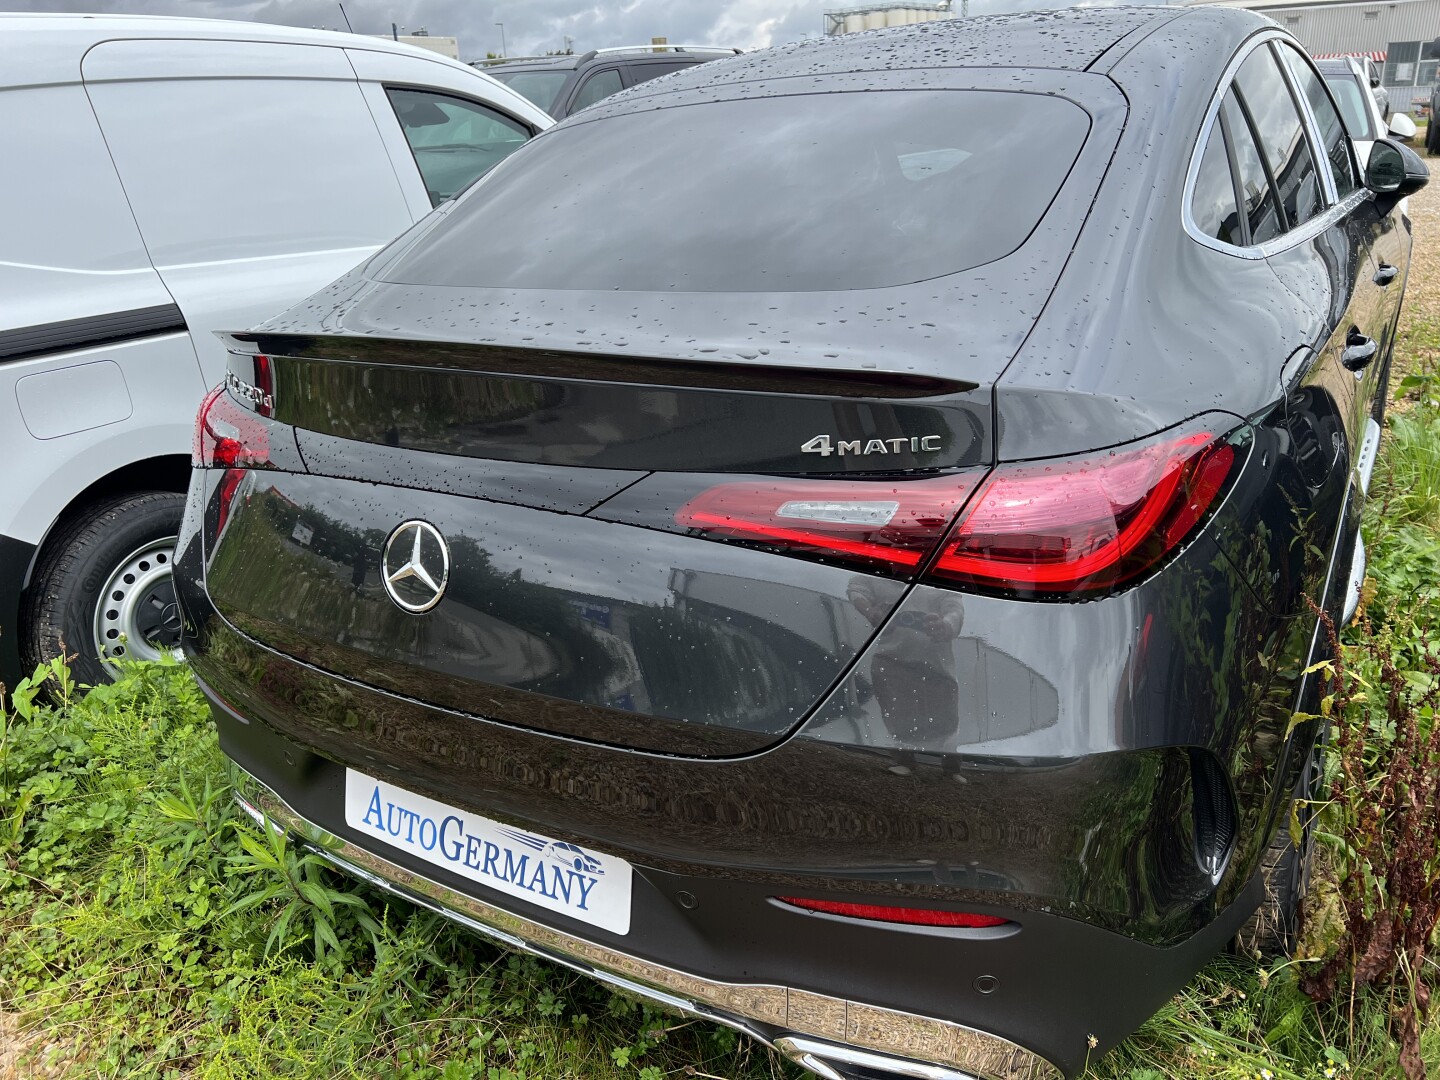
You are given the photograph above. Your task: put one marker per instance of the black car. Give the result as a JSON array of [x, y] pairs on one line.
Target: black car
[[566, 83], [1432, 126], [859, 594]]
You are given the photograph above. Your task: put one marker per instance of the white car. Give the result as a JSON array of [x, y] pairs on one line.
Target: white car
[[166, 178], [1349, 81]]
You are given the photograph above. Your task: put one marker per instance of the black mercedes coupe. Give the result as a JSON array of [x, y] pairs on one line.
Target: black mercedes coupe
[[832, 540]]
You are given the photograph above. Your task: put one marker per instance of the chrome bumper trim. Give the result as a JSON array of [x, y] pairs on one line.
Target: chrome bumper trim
[[822, 1059], [817, 1027]]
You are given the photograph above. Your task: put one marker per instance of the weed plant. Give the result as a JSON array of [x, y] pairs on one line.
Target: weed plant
[[149, 929]]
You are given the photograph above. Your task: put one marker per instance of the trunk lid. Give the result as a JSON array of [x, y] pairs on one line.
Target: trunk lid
[[575, 599]]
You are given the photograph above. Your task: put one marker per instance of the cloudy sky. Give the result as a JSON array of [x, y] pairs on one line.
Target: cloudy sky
[[531, 26]]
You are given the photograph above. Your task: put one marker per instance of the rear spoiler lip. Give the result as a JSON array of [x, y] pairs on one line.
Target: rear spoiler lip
[[594, 367]]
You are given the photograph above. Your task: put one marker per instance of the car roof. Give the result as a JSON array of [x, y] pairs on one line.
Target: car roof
[[1073, 39], [563, 62], [570, 61], [47, 47], [1339, 65]]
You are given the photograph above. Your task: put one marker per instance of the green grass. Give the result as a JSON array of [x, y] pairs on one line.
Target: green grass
[[148, 930]]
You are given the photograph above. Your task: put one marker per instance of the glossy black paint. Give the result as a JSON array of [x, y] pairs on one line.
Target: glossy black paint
[[742, 724], [729, 927], [553, 622], [597, 415]]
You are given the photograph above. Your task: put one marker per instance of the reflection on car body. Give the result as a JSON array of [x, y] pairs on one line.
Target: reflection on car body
[[956, 760]]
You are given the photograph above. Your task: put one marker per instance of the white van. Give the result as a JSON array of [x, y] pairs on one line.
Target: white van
[[163, 179]]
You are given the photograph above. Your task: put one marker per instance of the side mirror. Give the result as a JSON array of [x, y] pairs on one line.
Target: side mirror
[[1402, 127], [1395, 170], [1374, 81]]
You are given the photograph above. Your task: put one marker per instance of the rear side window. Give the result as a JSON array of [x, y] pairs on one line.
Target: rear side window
[[541, 87], [800, 193], [1350, 95], [597, 87], [454, 141], [1281, 135], [1333, 141], [1255, 187], [1213, 207], [645, 72]]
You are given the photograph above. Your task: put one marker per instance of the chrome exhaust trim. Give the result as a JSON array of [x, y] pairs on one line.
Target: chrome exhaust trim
[[826, 1031]]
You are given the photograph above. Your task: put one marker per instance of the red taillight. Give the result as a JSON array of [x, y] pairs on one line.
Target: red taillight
[[907, 915], [1086, 524], [895, 524], [264, 386], [225, 496], [228, 436]]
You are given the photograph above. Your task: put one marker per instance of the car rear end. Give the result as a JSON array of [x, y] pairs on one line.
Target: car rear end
[[690, 633]]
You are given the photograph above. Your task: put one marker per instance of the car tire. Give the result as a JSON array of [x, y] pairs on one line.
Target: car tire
[[1272, 931], [119, 549]]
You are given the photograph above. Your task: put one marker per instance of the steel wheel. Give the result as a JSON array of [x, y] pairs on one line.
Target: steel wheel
[[136, 616]]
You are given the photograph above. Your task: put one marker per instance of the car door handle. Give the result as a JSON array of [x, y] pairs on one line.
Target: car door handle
[[1386, 274], [1359, 351]]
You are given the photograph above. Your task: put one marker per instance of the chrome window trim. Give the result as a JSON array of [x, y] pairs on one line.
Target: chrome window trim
[[1312, 228], [1310, 124]]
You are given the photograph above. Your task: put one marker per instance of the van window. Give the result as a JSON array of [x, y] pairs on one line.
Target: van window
[[1281, 135], [454, 141]]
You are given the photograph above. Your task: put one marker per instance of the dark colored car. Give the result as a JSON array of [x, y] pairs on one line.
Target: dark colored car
[[567, 83], [1432, 128], [859, 594]]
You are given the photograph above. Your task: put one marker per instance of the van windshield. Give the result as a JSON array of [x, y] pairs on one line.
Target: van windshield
[[854, 190]]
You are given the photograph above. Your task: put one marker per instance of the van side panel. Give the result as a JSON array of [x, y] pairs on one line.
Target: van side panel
[[85, 315], [69, 248], [209, 139]]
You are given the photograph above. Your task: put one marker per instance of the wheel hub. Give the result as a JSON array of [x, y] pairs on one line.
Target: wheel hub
[[137, 616]]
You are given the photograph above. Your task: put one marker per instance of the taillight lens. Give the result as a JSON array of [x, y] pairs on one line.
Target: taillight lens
[[228, 436], [888, 525], [906, 915], [1084, 525]]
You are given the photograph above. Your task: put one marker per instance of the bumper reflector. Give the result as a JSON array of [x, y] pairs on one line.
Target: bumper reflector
[[908, 915]]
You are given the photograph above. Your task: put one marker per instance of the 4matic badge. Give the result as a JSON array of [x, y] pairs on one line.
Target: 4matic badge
[[825, 445]]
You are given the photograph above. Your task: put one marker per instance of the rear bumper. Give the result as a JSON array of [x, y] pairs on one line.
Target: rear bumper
[[710, 939], [802, 1024]]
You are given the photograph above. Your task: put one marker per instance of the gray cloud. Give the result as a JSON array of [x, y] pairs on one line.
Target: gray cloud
[[531, 26]]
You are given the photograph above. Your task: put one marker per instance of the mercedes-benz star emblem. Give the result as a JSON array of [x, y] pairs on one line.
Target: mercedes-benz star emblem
[[416, 566]]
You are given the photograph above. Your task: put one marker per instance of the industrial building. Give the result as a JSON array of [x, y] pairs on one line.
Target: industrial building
[[851, 20], [1397, 34], [422, 38]]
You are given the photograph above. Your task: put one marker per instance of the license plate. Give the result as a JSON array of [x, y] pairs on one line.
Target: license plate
[[556, 875]]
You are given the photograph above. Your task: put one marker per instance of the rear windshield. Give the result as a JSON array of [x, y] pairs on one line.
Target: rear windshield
[[539, 86], [1352, 106], [787, 194]]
